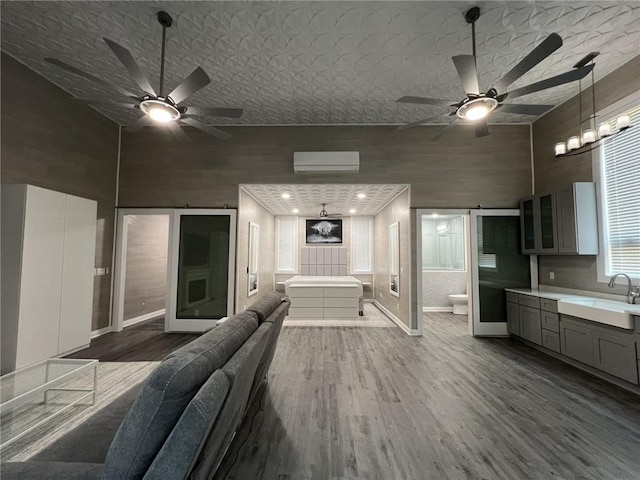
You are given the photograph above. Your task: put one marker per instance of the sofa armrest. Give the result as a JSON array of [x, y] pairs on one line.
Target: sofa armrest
[[51, 471]]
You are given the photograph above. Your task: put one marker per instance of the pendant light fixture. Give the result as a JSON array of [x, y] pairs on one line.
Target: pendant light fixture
[[590, 138]]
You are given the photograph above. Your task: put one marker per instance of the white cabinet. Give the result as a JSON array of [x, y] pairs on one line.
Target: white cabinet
[[48, 251]]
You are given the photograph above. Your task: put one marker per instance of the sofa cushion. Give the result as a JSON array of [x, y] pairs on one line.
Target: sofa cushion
[[240, 370], [179, 452], [276, 319], [265, 305], [51, 471], [89, 441], [166, 393]]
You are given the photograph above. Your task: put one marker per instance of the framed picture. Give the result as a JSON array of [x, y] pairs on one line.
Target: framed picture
[[323, 231]]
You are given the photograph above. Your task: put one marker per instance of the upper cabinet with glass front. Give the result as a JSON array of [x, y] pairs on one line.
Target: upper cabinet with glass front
[[562, 222]]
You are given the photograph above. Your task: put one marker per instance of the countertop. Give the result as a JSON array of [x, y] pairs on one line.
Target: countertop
[[568, 298]]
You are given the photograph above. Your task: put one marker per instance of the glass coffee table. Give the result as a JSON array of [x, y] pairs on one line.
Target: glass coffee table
[[40, 392]]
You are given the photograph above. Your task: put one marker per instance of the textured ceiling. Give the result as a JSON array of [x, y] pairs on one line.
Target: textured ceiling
[[318, 62], [339, 198]]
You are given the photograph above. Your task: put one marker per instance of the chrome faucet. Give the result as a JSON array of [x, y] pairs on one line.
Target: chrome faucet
[[632, 292]]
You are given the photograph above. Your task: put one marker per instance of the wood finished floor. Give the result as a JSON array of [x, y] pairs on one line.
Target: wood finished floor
[[355, 403], [144, 342]]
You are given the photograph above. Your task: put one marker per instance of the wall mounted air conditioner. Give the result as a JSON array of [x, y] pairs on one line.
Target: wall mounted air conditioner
[[326, 162]]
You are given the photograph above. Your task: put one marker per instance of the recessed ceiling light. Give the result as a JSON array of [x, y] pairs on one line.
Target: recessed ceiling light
[[361, 195], [295, 210], [353, 210], [286, 196]]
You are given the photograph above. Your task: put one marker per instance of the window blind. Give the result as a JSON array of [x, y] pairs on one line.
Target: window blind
[[361, 251], [620, 164], [287, 244]]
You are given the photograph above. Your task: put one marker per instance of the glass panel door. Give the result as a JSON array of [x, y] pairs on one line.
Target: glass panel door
[[496, 263], [202, 269], [527, 224], [547, 222]]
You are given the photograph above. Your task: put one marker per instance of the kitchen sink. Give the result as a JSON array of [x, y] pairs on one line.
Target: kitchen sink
[[607, 312]]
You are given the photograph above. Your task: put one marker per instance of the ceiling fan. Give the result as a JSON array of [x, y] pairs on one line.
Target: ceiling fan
[[159, 108], [325, 214], [477, 106]]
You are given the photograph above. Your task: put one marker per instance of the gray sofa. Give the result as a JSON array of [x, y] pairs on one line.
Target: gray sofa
[[183, 417]]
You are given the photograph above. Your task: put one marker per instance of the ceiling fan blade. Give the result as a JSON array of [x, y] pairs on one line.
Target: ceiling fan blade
[[423, 100], [525, 109], [466, 67], [190, 85], [178, 132], [439, 135], [88, 76], [138, 124], [542, 51], [206, 128], [482, 129], [91, 101], [131, 65], [567, 77], [215, 112], [422, 121]]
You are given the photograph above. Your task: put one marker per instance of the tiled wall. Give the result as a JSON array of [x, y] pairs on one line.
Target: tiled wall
[[437, 286]]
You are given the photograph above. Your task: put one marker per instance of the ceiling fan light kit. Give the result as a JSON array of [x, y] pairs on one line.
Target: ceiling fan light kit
[[590, 138], [159, 109], [478, 106]]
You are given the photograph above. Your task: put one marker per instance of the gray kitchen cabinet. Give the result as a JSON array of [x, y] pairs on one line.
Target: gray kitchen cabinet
[[615, 353], [513, 319], [538, 224], [577, 220], [563, 221], [551, 340], [530, 324], [576, 340], [527, 226]]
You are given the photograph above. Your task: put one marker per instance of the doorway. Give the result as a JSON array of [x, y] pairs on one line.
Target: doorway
[[178, 264], [444, 270]]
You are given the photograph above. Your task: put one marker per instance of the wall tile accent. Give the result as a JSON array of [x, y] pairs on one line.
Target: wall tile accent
[[437, 286]]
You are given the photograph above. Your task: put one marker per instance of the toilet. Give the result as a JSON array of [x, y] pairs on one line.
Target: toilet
[[459, 303]]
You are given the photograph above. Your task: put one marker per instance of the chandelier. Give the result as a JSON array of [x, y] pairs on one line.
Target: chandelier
[[590, 138]]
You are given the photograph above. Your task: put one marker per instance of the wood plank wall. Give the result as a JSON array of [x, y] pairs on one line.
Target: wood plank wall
[[146, 264], [55, 143], [252, 211], [397, 211], [458, 171], [577, 272]]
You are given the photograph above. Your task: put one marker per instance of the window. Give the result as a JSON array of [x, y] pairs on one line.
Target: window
[[286, 244], [619, 171], [361, 248]]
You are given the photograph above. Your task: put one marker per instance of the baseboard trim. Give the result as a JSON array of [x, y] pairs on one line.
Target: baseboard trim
[[73, 350], [581, 366], [101, 331], [396, 320], [437, 309], [143, 318]]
